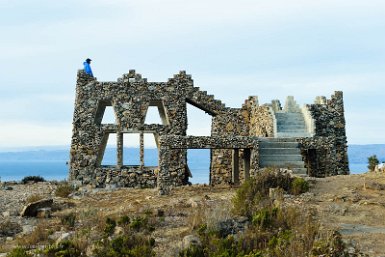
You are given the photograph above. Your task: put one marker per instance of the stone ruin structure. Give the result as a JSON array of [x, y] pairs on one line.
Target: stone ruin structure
[[310, 140]]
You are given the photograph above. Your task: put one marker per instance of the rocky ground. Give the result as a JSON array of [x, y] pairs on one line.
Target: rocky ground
[[355, 205]]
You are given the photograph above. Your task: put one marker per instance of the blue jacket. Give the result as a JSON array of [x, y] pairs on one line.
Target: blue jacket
[[87, 68]]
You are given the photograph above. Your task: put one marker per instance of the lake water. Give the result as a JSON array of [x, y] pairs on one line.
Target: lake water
[[52, 165], [58, 170]]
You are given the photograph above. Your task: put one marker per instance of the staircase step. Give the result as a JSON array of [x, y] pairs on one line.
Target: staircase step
[[288, 165], [290, 126], [279, 144], [299, 171], [282, 158], [281, 164], [292, 132], [279, 151], [283, 134], [291, 123]]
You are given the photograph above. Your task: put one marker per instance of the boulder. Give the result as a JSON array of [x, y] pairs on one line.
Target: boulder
[[32, 209], [43, 212], [191, 240], [64, 237]]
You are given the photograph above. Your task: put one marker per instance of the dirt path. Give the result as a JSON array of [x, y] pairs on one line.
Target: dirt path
[[355, 205]]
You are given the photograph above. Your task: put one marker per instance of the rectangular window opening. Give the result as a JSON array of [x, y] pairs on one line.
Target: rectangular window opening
[[110, 153]]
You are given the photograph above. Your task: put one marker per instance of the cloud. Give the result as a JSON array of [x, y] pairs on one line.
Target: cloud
[[233, 49], [26, 134]]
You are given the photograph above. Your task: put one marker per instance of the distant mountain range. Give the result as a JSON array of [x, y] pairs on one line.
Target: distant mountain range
[[356, 153]]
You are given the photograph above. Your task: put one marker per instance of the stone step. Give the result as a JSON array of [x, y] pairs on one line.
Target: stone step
[[279, 151], [281, 164], [291, 126], [292, 132], [275, 139], [278, 144], [300, 134], [288, 114], [282, 124], [291, 122], [281, 158]]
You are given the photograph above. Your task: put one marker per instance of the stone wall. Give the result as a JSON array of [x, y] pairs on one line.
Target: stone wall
[[329, 120], [130, 96], [319, 154], [261, 119]]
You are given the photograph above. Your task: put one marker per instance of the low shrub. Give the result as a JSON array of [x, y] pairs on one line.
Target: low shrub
[[68, 220], [133, 245], [299, 186], [19, 252], [110, 226], [9, 228], [32, 179], [124, 220], [63, 249], [39, 235], [254, 193], [64, 190], [34, 198], [193, 251]]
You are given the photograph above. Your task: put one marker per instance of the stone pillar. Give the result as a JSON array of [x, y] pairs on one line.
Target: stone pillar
[[163, 177], [235, 167], [141, 145], [119, 147], [246, 163]]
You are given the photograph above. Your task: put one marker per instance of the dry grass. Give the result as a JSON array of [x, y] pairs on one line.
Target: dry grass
[[34, 198], [38, 236], [9, 228], [64, 190]]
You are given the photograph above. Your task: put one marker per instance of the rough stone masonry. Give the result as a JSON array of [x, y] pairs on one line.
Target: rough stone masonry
[[310, 140]]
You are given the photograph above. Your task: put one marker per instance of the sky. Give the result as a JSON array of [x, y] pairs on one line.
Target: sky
[[232, 49]]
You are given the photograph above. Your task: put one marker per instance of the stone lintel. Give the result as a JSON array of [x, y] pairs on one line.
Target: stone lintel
[[207, 142]]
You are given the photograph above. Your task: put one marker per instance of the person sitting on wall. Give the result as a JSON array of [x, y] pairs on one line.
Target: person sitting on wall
[[87, 67]]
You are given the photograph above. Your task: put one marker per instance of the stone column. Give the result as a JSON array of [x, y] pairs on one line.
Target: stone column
[[141, 145], [119, 146], [235, 167]]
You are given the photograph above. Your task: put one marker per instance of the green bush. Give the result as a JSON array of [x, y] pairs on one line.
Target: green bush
[[69, 219], [19, 252], [193, 251], [33, 179], [254, 192], [132, 245], [110, 226], [124, 220], [372, 162], [299, 186], [63, 249]]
